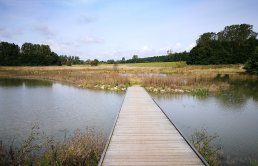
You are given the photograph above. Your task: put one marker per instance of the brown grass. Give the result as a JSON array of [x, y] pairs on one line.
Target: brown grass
[[78, 76], [178, 78], [82, 148]]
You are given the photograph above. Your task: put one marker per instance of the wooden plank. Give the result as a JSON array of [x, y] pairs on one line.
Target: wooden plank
[[143, 135]]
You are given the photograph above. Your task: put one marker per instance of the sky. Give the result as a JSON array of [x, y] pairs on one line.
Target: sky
[[112, 29]]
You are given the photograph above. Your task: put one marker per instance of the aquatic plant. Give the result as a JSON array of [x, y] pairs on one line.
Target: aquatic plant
[[205, 145], [200, 92]]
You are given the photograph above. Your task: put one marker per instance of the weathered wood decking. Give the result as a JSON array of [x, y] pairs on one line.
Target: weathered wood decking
[[143, 135]]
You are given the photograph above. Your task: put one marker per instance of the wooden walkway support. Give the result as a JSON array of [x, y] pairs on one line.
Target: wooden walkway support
[[143, 135]]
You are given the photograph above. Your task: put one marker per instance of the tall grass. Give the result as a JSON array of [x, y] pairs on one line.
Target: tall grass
[[82, 77], [82, 148], [205, 145], [178, 76]]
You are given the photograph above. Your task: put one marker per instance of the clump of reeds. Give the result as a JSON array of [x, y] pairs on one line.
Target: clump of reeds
[[82, 148], [176, 81], [200, 93], [204, 144]]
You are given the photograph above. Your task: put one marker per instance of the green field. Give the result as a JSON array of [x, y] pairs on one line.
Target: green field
[[157, 64]]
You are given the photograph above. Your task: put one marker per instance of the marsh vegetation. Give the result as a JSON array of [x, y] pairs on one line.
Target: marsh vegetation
[[80, 148], [165, 77]]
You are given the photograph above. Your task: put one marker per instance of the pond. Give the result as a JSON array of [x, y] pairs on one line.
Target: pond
[[58, 109], [232, 115], [61, 109]]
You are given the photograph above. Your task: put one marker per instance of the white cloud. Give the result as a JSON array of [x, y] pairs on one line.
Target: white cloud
[[190, 46], [178, 46], [45, 31], [63, 48], [145, 49], [90, 40]]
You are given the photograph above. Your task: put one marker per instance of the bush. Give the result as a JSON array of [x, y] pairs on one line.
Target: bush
[[69, 63], [251, 66], [95, 62]]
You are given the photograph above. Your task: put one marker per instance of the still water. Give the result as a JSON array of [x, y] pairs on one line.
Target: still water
[[61, 109], [58, 109], [233, 116]]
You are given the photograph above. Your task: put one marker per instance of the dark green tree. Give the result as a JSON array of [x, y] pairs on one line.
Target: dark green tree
[[95, 62], [123, 60], [9, 54], [111, 61], [251, 66], [235, 44]]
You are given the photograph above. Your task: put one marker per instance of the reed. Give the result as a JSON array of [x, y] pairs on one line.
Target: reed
[[81, 148], [171, 77], [204, 143]]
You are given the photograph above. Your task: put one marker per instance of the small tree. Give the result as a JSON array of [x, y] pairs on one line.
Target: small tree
[[135, 58], [123, 60], [95, 62]]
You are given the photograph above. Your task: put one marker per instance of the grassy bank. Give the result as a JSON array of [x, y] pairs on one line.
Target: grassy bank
[[164, 77]]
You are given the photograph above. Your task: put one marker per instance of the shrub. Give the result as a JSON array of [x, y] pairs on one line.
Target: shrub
[[251, 66], [95, 62]]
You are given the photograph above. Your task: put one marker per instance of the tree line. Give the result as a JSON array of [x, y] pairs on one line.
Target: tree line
[[236, 44], [29, 54], [170, 57], [33, 55], [70, 60], [233, 45]]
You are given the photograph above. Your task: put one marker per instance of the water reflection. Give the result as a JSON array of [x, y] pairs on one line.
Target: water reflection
[[233, 115], [239, 94], [57, 108], [30, 83]]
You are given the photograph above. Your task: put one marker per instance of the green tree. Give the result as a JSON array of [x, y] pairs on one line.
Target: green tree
[[111, 61], [251, 66], [95, 62], [206, 38], [135, 57], [9, 54], [237, 33], [123, 60], [235, 44]]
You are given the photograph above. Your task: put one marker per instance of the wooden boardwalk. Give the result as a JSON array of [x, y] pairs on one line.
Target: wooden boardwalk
[[143, 135]]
